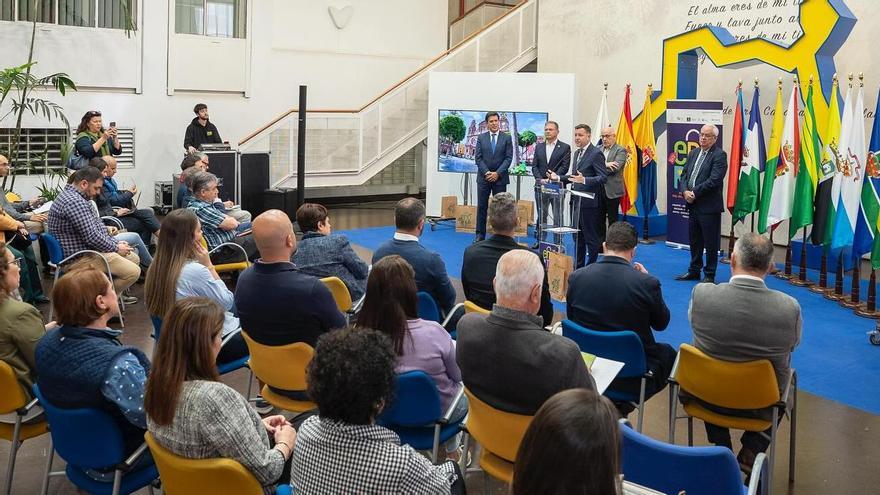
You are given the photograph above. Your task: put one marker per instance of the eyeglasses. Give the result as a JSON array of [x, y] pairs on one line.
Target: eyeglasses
[[16, 261], [707, 135]]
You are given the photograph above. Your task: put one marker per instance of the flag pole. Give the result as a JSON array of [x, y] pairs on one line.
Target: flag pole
[[801, 279], [837, 293], [869, 309], [823, 274], [645, 239], [855, 287]]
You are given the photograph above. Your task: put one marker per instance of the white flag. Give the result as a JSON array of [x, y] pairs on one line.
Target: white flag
[[852, 172], [602, 120], [843, 142], [782, 197]]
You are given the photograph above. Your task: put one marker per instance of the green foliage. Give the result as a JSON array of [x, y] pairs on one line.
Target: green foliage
[[17, 83], [52, 183], [527, 138], [452, 128]]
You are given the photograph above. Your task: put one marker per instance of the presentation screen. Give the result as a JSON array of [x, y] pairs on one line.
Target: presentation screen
[[458, 131]]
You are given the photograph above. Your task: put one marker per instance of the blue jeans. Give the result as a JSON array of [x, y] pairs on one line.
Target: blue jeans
[[134, 240]]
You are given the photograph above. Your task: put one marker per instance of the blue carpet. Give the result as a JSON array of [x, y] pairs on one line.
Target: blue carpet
[[834, 360]]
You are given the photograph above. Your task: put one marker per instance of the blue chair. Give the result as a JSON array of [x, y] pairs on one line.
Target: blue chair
[[57, 259], [670, 468], [91, 439], [624, 346], [415, 414], [157, 327], [428, 309]]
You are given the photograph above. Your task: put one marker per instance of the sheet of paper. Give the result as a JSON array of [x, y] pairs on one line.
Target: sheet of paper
[[604, 371], [44, 208]]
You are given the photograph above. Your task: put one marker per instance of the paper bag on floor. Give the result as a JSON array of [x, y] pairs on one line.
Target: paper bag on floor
[[525, 215], [560, 267], [465, 218], [448, 204]]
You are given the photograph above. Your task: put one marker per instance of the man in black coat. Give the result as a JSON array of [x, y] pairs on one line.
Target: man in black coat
[[493, 154], [701, 182], [200, 130], [551, 156], [588, 174], [617, 294]]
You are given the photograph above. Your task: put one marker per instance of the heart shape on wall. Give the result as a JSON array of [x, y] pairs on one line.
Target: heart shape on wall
[[341, 16]]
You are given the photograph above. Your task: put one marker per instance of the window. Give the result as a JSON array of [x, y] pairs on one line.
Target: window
[[40, 148], [219, 18], [112, 14]]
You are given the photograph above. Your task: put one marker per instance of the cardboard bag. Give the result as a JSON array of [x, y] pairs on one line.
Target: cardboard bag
[[560, 267], [525, 215], [448, 204], [465, 218]]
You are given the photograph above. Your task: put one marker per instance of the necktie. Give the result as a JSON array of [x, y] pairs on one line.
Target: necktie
[[574, 164], [493, 143], [696, 171]]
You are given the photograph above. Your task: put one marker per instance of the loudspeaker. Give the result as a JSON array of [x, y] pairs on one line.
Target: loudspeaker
[[281, 199], [254, 180]]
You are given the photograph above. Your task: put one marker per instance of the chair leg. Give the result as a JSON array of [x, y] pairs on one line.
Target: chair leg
[[673, 411], [641, 405], [690, 431], [117, 481], [462, 463], [436, 447], [772, 459], [10, 468], [55, 281], [793, 433], [250, 383], [45, 488]]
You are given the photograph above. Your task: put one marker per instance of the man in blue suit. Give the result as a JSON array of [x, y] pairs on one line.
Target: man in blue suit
[[588, 174], [551, 156], [493, 155]]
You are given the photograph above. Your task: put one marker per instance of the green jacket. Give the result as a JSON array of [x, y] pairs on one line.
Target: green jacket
[[21, 327]]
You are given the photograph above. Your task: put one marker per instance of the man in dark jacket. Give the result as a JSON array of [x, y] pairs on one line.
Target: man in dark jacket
[[200, 130]]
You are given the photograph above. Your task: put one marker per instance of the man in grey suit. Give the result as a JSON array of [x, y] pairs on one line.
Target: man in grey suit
[[492, 156], [615, 160], [743, 320]]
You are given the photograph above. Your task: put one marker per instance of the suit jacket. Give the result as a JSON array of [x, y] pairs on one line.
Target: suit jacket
[[558, 162], [614, 182], [494, 162], [710, 180], [430, 271], [743, 320], [591, 164], [478, 272], [611, 295], [510, 362], [322, 256]]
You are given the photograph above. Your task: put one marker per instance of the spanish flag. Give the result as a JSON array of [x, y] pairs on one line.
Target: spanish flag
[[630, 172]]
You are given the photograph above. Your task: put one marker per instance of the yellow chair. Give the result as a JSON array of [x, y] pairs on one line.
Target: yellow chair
[[13, 400], [470, 307], [12, 197], [340, 293], [733, 385], [282, 367], [229, 267], [182, 476], [499, 434]]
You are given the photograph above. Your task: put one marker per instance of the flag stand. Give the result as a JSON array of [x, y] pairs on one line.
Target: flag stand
[[823, 275], [853, 301], [869, 309], [730, 241], [773, 269], [801, 280], [786, 273], [645, 239], [837, 293]]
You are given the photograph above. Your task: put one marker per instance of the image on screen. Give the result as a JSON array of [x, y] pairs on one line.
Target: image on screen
[[459, 129]]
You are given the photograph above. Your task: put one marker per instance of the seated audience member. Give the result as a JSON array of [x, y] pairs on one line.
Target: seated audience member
[[140, 220], [342, 450], [21, 325], [194, 415], [431, 277], [529, 364], [616, 294], [218, 227], [391, 306], [198, 161], [571, 446], [74, 223], [478, 265], [743, 320], [182, 268], [323, 254], [92, 139], [83, 363], [33, 222]]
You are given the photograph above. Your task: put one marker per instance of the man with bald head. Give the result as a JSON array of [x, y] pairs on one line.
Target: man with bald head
[[276, 303], [615, 160], [700, 183]]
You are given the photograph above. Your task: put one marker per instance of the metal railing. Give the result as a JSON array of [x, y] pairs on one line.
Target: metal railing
[[477, 16]]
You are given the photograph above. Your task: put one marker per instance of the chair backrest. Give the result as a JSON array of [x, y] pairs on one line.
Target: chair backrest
[[86, 438], [470, 307], [340, 292], [182, 476], [12, 197], [624, 346], [498, 431], [157, 326], [282, 366], [743, 385], [416, 401], [674, 469], [12, 396], [56, 254], [428, 309]]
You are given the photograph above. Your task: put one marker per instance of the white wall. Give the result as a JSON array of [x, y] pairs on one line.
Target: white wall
[[595, 44], [523, 92], [293, 42]]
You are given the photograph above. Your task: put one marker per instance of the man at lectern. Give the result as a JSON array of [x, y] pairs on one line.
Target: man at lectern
[[492, 156], [200, 130], [551, 156]]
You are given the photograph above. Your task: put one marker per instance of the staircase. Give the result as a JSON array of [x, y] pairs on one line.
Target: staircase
[[349, 147]]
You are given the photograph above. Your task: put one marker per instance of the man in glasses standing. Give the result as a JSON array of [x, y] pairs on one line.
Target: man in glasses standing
[[701, 182]]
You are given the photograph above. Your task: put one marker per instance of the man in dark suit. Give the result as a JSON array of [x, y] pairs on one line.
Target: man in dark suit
[[615, 161], [430, 271], [492, 156], [617, 294], [551, 156], [701, 182], [506, 358], [480, 259], [588, 174]]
